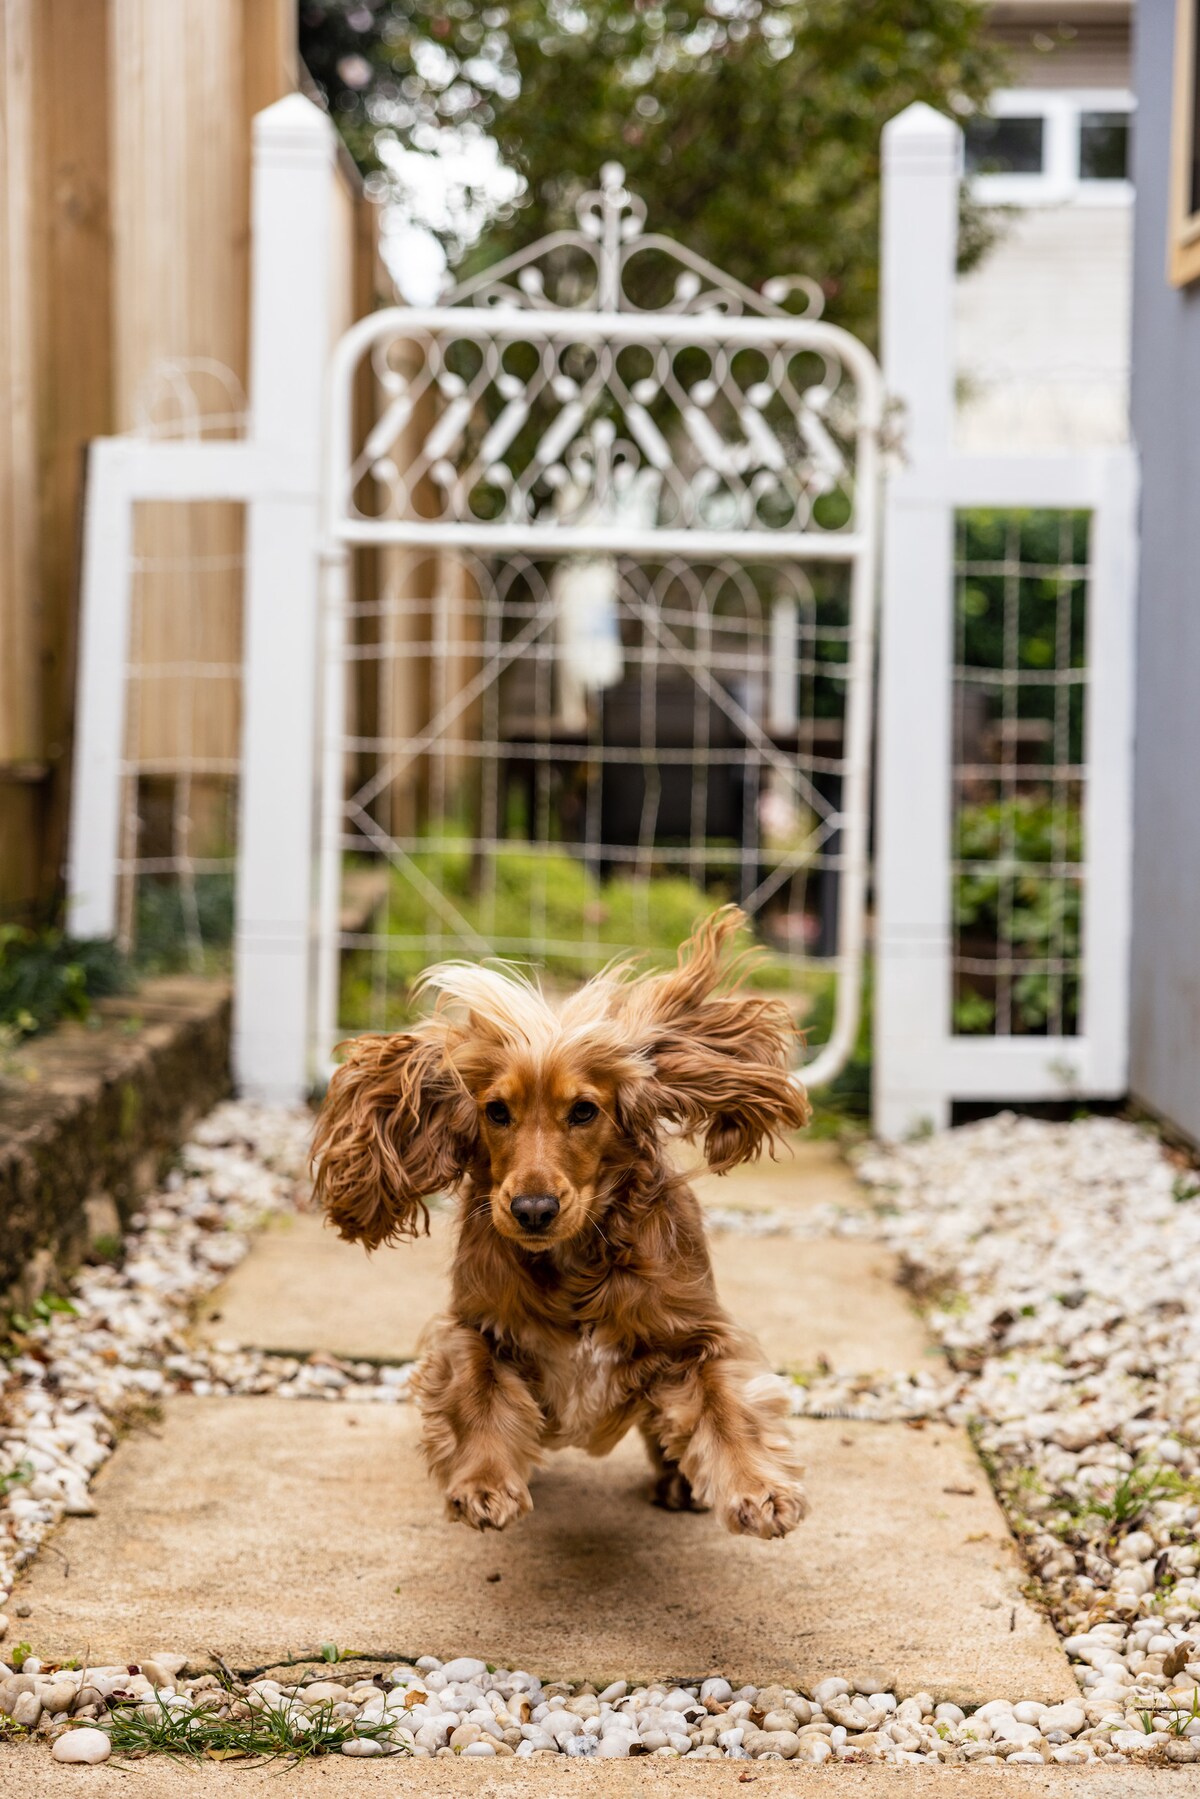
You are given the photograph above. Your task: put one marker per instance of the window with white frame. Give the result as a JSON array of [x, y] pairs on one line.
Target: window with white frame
[[1038, 147]]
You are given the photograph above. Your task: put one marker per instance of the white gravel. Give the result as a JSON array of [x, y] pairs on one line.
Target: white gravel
[[464, 1707], [83, 1374], [1059, 1264]]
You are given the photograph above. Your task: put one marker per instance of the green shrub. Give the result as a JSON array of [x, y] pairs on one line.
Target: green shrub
[[523, 896], [46, 976], [1009, 839], [165, 937]]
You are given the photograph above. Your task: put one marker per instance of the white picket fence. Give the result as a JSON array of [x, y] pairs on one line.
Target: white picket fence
[[921, 1065], [275, 470]]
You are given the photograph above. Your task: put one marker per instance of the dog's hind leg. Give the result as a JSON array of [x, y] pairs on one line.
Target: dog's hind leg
[[672, 1489], [481, 1427], [721, 1423]]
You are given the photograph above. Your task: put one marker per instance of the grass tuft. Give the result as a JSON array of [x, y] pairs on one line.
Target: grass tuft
[[1133, 1495], [266, 1732]]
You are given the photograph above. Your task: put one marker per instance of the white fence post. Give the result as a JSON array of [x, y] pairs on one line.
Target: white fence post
[[95, 830], [291, 331], [921, 163]]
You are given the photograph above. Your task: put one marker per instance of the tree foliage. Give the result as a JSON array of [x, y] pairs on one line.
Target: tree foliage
[[750, 127]]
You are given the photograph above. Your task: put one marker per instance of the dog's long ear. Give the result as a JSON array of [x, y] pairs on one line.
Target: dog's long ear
[[721, 1057], [395, 1129]]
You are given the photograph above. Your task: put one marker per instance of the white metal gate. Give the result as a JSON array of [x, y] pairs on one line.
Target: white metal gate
[[599, 623]]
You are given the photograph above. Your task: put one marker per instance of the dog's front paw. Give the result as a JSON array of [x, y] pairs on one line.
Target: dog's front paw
[[489, 1503], [770, 1513]]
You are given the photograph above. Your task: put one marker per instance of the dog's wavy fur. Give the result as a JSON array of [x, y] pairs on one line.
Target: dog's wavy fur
[[611, 1318]]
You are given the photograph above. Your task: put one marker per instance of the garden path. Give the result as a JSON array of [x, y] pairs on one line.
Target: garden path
[[260, 1527]]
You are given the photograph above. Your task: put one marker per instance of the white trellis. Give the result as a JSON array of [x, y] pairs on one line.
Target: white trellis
[[602, 455]]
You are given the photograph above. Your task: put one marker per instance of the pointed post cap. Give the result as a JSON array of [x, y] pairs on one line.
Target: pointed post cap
[[295, 123], [922, 140]]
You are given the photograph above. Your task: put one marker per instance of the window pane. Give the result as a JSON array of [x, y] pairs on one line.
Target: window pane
[[1004, 146], [1103, 146]]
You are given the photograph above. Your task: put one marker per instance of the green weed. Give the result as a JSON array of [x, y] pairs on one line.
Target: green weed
[[270, 1730], [41, 1312], [16, 1477]]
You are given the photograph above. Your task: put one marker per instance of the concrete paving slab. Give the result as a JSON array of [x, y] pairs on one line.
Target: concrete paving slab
[[827, 1298], [29, 1773], [263, 1527], [808, 1173], [304, 1289]]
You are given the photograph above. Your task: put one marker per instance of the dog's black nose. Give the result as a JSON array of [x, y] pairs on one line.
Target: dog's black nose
[[534, 1212]]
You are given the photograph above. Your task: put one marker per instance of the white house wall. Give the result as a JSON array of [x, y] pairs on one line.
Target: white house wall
[[1042, 333]]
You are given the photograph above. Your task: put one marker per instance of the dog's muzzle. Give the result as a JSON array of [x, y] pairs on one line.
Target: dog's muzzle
[[534, 1212]]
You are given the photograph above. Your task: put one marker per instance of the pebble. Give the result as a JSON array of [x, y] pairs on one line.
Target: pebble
[[26, 1710], [1070, 1717], [465, 1668], [322, 1692], [82, 1745]]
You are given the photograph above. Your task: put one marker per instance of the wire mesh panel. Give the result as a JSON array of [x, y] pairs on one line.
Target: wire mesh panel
[[600, 625], [503, 801], [1020, 695], [180, 767]]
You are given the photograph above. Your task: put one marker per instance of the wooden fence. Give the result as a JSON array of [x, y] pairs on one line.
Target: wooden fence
[[124, 283]]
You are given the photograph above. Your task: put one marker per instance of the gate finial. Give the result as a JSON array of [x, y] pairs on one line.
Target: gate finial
[[611, 216]]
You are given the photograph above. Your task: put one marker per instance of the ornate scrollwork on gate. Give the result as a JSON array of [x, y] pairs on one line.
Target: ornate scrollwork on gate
[[543, 399]]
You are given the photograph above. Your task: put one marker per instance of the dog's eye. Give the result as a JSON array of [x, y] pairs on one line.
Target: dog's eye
[[497, 1112], [582, 1112]]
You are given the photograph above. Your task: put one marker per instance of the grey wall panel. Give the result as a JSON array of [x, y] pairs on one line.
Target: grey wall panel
[[1165, 1049]]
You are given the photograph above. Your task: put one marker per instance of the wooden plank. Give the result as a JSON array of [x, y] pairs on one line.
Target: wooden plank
[[20, 688], [20, 709], [74, 375], [181, 245], [270, 64]]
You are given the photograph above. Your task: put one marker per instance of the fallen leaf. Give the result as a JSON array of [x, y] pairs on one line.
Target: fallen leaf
[[1176, 1660], [225, 1755], [963, 1492]]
